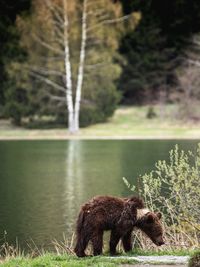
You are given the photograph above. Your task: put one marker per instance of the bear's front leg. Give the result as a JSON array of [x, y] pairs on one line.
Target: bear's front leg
[[114, 239], [126, 241]]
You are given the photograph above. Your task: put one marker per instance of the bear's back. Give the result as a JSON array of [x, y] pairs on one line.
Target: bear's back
[[104, 210]]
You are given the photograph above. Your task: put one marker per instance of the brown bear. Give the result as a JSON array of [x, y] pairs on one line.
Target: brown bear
[[120, 215]]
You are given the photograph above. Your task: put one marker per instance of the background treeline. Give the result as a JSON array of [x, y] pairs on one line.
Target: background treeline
[[155, 61], [9, 41]]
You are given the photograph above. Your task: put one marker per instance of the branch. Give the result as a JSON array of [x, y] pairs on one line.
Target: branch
[[53, 10], [109, 21], [47, 81], [48, 46], [46, 71], [57, 98], [97, 13], [103, 17], [58, 24], [51, 58], [95, 66], [58, 29]]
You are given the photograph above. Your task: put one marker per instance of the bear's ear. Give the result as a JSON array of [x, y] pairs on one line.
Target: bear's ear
[[149, 218], [159, 215]]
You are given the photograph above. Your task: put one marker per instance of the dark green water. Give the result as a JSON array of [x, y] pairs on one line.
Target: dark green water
[[43, 183]]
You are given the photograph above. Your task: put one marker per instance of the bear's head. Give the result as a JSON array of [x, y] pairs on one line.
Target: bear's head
[[151, 225]]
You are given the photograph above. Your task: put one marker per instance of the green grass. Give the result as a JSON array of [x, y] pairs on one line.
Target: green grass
[[127, 123], [50, 260]]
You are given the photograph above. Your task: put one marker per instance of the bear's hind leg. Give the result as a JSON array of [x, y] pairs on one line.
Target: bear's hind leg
[[97, 242], [114, 239], [126, 241]]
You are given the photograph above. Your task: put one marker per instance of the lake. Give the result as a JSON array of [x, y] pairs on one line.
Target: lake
[[44, 183]]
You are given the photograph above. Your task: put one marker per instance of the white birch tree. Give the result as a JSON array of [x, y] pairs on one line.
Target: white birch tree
[[69, 38]]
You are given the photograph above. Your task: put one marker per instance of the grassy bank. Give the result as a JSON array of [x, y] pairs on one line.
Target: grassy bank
[[50, 260], [53, 260], [127, 123]]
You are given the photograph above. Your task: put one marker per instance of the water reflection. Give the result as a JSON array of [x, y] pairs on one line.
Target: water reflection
[[73, 182]]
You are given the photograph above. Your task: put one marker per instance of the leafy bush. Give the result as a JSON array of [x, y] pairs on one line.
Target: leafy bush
[[16, 104], [151, 113], [102, 106], [173, 188]]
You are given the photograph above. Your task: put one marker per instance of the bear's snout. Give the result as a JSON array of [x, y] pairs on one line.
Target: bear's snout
[[160, 243]]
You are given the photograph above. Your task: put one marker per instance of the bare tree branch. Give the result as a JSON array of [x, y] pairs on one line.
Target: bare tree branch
[[55, 11], [51, 58], [57, 98], [47, 81], [48, 46], [95, 66], [108, 21], [97, 13], [46, 71]]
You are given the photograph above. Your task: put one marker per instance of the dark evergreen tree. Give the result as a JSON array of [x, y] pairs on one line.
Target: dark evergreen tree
[[149, 64], [9, 43], [154, 50]]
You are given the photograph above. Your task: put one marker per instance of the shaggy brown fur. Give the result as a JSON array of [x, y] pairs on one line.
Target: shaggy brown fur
[[118, 215]]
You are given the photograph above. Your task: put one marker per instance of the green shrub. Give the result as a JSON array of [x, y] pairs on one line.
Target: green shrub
[[90, 115], [100, 108], [173, 188], [151, 113]]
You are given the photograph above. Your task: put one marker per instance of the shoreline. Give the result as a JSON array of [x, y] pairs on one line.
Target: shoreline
[[95, 138], [60, 134], [127, 123], [66, 260]]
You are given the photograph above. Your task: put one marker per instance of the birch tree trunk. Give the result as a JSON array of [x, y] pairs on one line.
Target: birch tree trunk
[[81, 67], [68, 73]]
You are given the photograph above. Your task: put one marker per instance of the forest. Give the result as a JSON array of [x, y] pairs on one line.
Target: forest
[[133, 53]]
